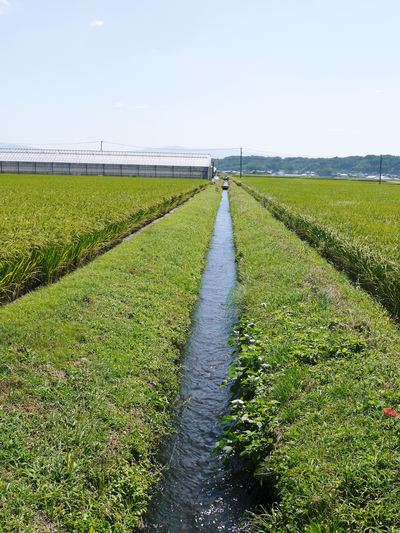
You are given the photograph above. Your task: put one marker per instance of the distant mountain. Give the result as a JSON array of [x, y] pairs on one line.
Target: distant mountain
[[320, 166]]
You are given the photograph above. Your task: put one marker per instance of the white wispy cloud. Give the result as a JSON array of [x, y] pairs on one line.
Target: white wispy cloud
[[119, 105], [143, 106], [336, 130], [387, 92], [97, 23], [4, 5]]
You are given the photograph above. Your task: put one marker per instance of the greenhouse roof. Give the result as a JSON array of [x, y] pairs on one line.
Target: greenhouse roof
[[105, 157]]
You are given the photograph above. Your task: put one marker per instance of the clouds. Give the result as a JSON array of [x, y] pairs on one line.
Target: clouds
[[96, 23], [4, 5], [387, 92]]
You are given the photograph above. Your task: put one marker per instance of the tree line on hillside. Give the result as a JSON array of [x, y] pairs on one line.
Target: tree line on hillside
[[321, 166]]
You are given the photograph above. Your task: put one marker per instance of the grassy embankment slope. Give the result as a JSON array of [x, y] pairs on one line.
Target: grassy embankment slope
[[318, 362], [353, 224], [51, 224], [89, 370]]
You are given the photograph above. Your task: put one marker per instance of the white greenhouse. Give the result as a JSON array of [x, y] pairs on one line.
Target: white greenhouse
[[105, 163]]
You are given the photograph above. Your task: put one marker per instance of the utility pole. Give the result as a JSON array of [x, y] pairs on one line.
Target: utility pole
[[380, 169], [101, 146], [241, 162]]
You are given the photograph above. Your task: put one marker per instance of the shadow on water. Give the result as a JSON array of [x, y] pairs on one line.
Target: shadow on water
[[197, 494]]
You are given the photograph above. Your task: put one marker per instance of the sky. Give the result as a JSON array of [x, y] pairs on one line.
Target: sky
[[289, 77]]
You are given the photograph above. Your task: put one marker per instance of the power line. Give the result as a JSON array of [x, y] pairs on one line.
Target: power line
[[98, 141], [54, 144], [234, 149], [271, 153], [125, 145]]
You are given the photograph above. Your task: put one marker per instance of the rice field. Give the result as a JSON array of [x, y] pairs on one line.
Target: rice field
[[90, 365], [316, 384], [353, 224], [89, 372], [49, 224], [367, 212]]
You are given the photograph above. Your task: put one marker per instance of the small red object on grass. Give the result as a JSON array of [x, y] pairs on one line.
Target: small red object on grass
[[389, 411]]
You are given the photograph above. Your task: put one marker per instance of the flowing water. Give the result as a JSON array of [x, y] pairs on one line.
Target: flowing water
[[197, 493]]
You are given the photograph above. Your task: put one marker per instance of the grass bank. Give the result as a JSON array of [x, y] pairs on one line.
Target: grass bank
[[317, 364], [89, 370], [49, 225], [370, 261]]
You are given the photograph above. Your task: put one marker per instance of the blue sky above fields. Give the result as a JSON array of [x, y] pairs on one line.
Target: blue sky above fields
[[296, 77]]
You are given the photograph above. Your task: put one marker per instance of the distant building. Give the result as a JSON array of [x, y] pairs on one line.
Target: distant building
[[107, 163]]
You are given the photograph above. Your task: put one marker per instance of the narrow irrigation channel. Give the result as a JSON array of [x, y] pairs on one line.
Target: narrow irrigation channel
[[197, 492]]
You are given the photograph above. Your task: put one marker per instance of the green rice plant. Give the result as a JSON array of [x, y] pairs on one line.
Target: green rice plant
[[371, 264], [89, 373], [316, 369], [363, 211], [95, 213]]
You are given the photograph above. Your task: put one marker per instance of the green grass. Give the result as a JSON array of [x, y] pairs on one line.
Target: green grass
[[51, 224], [317, 364], [353, 224], [88, 374]]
